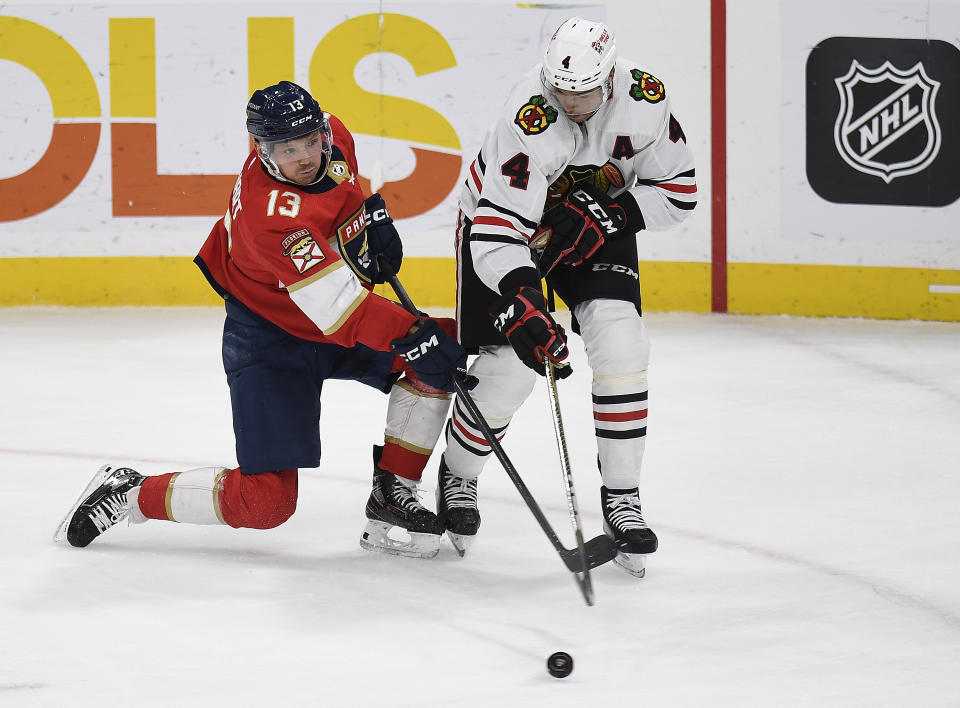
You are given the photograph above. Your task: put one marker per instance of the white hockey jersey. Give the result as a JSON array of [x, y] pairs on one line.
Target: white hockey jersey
[[633, 148]]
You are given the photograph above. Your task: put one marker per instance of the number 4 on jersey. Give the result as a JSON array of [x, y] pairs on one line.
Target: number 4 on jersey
[[517, 168]]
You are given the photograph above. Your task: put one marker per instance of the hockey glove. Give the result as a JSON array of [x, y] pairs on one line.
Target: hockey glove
[[574, 229], [434, 357], [382, 238], [521, 316]]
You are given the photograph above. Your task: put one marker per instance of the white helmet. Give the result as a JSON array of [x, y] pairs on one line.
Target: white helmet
[[579, 56]]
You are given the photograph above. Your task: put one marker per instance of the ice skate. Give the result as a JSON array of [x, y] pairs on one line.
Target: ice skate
[[623, 522], [457, 508], [103, 504], [394, 507]]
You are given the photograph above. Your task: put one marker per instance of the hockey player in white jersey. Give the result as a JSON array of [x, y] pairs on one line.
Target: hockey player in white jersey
[[586, 154]]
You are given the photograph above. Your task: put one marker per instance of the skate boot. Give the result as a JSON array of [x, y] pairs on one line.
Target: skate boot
[[457, 508], [394, 504], [103, 504], [623, 522]]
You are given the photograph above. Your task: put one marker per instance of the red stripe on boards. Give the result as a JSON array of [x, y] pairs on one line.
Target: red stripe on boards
[[718, 155]]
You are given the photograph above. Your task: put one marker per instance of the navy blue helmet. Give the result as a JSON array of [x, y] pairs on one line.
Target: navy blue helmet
[[283, 112]]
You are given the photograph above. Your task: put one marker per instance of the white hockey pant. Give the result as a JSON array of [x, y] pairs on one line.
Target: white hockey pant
[[505, 383], [618, 352]]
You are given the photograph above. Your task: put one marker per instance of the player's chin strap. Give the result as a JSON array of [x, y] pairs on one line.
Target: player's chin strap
[[579, 560]]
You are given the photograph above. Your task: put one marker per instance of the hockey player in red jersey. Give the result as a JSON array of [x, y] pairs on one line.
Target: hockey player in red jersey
[[586, 154], [295, 257]]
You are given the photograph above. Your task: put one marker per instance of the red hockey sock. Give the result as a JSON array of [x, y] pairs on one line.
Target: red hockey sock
[[153, 495], [403, 462], [260, 501]]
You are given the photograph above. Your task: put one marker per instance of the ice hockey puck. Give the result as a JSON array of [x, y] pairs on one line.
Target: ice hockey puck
[[560, 664]]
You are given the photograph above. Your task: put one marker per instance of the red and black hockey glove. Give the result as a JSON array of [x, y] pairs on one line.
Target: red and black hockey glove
[[574, 229], [434, 357], [521, 316]]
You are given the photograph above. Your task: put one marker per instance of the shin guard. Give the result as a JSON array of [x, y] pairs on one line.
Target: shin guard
[[415, 417], [618, 351], [504, 384]]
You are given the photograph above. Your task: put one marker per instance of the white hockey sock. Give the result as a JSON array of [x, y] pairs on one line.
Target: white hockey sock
[[415, 417], [467, 449], [504, 384], [620, 424], [618, 349], [193, 497], [133, 507]]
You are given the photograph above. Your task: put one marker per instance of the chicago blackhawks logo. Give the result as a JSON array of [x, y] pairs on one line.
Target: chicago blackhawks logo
[[302, 250], [648, 87], [535, 116], [887, 124], [605, 178]]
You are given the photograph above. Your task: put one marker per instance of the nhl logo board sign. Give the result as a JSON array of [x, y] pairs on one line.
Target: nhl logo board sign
[[868, 139], [883, 121]]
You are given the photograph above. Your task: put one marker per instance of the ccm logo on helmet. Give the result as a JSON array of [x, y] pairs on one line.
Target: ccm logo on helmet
[[297, 122], [419, 351]]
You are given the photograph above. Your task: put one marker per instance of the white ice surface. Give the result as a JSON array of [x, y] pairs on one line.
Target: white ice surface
[[803, 476]]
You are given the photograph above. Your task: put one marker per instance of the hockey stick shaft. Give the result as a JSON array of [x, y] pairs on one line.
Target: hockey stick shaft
[[599, 550], [586, 584]]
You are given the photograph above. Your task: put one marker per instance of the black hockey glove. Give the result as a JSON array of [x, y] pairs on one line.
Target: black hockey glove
[[382, 238], [521, 316], [434, 357], [574, 229]]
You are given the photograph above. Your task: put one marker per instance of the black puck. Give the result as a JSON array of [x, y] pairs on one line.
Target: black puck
[[560, 664]]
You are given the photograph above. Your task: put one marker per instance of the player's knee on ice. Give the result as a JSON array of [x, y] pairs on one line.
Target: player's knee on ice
[[259, 501]]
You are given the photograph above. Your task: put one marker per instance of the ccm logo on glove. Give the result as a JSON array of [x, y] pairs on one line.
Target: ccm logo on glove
[[611, 226], [420, 350], [377, 215], [501, 321]]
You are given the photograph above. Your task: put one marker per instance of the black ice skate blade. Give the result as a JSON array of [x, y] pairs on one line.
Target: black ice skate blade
[[599, 550]]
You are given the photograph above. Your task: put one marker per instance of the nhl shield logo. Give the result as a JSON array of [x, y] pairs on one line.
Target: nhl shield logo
[[887, 124]]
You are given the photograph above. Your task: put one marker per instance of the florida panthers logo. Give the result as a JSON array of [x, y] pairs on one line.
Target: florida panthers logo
[[887, 124], [300, 248], [535, 116], [648, 87]]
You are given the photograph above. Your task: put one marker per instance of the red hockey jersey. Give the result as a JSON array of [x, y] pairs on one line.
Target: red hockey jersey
[[277, 251]]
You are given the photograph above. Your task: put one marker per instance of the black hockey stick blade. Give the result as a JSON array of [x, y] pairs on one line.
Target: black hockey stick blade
[[599, 550]]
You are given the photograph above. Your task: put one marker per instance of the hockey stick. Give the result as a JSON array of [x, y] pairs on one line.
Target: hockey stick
[[586, 584], [596, 551]]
